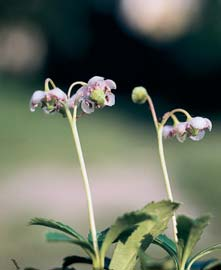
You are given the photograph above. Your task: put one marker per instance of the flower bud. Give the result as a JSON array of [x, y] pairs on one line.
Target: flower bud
[[139, 95]]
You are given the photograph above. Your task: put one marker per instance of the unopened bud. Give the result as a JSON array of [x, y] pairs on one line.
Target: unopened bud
[[139, 95]]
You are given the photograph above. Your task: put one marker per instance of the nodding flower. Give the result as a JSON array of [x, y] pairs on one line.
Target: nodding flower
[[168, 132], [197, 126], [95, 94], [194, 129], [50, 101]]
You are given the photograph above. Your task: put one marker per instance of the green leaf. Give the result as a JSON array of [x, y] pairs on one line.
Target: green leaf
[[169, 246], [214, 265], [122, 223], [125, 254], [60, 237], [100, 237], [189, 233], [202, 253], [58, 226]]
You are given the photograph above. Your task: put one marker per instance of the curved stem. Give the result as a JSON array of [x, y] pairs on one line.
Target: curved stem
[[47, 81], [73, 85], [153, 112], [166, 177], [159, 130], [171, 114], [72, 122]]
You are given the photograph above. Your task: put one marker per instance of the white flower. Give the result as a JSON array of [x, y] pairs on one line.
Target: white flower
[[49, 101]]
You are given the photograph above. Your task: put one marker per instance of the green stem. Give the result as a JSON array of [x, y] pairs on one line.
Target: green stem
[[47, 81], [73, 85], [166, 177], [72, 122], [159, 130], [171, 114]]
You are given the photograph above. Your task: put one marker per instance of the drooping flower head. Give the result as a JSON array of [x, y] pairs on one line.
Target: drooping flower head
[[50, 101], [95, 94], [194, 129], [168, 132]]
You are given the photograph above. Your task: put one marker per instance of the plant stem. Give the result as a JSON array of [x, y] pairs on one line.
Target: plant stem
[[159, 130], [166, 177], [72, 122]]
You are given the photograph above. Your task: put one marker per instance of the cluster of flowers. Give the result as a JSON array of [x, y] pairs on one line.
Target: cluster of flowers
[[95, 94], [193, 128]]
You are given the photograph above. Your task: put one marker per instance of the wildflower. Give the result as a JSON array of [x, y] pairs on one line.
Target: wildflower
[[96, 94], [139, 95], [168, 132], [196, 127], [50, 101], [181, 131]]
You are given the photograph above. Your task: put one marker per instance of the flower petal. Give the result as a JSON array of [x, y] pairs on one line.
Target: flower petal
[[181, 128], [198, 122], [58, 94], [36, 99], [95, 79], [181, 138], [109, 99], [199, 136], [111, 84], [168, 132], [87, 106], [209, 124]]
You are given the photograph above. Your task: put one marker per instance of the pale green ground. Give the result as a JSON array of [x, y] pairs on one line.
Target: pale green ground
[[37, 177]]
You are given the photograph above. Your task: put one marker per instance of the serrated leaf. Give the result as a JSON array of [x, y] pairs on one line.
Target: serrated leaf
[[60, 237], [125, 254], [201, 254], [189, 233], [122, 223], [58, 226]]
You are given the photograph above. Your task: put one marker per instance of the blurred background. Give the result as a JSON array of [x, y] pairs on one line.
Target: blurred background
[[172, 47]]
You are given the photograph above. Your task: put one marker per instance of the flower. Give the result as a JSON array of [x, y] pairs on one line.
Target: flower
[[181, 131], [139, 95], [197, 126], [50, 101], [96, 94], [168, 132]]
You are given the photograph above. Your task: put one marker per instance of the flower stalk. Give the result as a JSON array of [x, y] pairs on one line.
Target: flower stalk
[[73, 125], [159, 131]]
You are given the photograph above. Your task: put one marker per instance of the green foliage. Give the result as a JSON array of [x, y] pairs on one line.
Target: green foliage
[[56, 225], [60, 237], [100, 236], [122, 224], [125, 254], [189, 233], [169, 246], [203, 253]]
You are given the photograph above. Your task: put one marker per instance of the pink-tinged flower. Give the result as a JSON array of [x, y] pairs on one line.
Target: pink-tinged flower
[[181, 131], [197, 126], [50, 101], [168, 132], [96, 94]]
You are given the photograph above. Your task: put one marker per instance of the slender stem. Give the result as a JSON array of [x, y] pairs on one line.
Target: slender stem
[[47, 81], [159, 130], [153, 112], [166, 177], [171, 114], [72, 122], [73, 85]]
